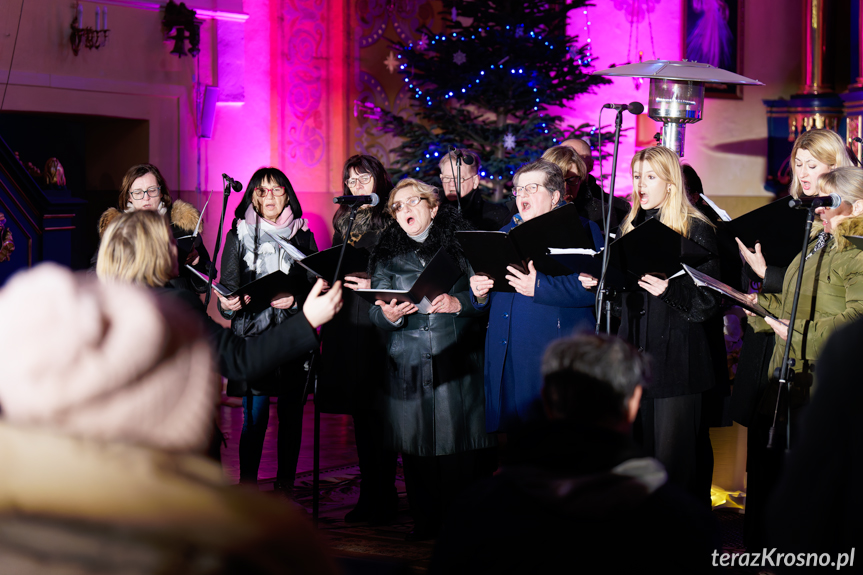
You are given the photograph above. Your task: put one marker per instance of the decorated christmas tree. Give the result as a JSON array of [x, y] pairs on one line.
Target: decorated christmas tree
[[492, 81]]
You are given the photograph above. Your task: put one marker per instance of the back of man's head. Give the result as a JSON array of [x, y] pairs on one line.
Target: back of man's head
[[594, 379]]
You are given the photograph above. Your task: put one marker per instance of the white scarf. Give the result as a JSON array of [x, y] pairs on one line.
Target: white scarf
[[268, 257]]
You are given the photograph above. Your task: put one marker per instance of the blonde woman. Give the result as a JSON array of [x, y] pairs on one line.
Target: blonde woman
[[139, 248], [674, 322]]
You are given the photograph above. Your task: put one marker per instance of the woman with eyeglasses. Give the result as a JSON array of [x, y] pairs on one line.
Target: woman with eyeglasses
[[542, 309], [269, 205], [433, 401], [354, 349], [144, 188]]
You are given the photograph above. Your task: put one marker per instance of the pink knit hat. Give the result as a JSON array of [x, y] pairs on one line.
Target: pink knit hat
[[103, 361]]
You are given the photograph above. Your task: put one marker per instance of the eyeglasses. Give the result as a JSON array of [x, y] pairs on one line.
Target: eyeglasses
[[527, 190], [277, 191], [412, 202], [363, 179], [153, 192], [448, 179]]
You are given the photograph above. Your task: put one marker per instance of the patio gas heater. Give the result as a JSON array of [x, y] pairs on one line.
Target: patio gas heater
[[677, 92]]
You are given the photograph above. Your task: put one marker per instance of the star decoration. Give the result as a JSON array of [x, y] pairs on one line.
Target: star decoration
[[459, 58], [423, 42], [509, 141], [391, 63]]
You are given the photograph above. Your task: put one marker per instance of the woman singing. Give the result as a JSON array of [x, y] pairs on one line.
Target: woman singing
[[543, 309], [434, 400], [269, 205], [354, 349], [816, 152], [669, 321]]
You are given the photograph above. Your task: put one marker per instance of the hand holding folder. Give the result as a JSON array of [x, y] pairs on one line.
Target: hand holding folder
[[777, 227], [491, 253]]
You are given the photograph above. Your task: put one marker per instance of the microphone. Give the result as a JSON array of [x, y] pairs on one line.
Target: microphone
[[810, 203], [466, 159], [371, 199], [632, 107], [235, 185]]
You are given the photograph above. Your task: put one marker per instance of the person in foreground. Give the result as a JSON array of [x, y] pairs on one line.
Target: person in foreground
[[575, 491], [816, 507], [108, 398], [434, 401], [139, 248]]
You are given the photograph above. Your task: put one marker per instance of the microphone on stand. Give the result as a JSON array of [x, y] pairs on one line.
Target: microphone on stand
[[372, 199], [466, 159], [235, 185], [831, 201], [633, 107]]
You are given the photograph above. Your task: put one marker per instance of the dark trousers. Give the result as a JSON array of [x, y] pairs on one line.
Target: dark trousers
[[434, 482], [674, 432], [256, 417], [377, 464]]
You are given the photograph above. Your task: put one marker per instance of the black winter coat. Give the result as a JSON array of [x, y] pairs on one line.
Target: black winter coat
[[434, 401], [353, 360], [681, 330], [254, 357], [235, 273]]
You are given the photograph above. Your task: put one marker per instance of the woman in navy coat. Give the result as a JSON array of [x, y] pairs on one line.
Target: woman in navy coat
[[522, 324]]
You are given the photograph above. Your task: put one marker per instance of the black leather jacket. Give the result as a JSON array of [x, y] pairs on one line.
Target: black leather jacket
[[434, 400]]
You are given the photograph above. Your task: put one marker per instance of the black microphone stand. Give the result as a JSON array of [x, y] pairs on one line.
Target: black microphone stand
[[316, 454], [786, 374], [602, 291], [212, 272]]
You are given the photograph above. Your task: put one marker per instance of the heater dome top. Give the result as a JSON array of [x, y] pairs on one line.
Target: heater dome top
[[678, 70]]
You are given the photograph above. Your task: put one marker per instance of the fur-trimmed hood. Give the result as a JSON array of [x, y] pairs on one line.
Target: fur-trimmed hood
[[394, 242], [183, 216], [852, 226]]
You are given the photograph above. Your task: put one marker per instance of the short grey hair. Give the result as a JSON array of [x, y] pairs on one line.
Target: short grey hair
[[554, 181]]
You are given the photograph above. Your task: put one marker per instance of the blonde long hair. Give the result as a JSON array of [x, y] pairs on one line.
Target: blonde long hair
[[136, 248], [826, 146], [677, 212]]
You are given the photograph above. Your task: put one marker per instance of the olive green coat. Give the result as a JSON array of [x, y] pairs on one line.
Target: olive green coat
[[831, 295]]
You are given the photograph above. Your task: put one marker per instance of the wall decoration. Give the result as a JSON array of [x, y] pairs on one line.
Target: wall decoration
[[713, 34]]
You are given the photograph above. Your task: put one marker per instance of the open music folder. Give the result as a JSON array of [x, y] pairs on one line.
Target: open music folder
[[489, 253], [323, 263], [439, 275], [704, 280], [264, 290], [777, 226], [650, 249]]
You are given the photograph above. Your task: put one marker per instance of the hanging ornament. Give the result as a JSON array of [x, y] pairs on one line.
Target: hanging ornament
[[391, 63], [459, 58], [423, 42], [509, 141]]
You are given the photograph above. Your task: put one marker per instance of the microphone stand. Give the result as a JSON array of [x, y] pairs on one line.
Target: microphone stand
[[786, 374], [212, 272], [601, 289], [316, 454]]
